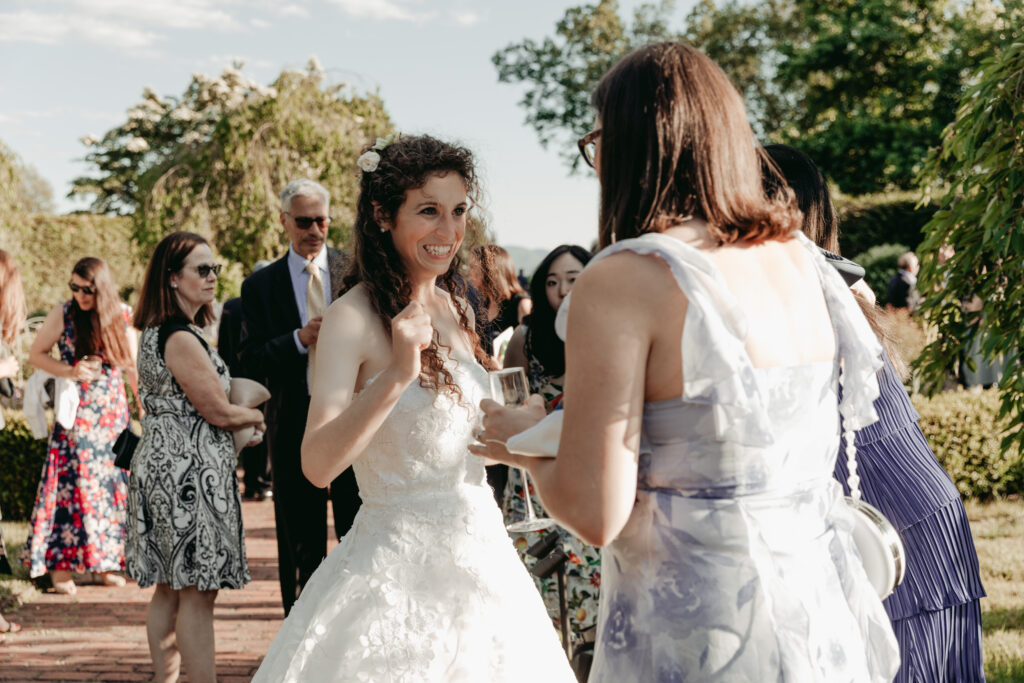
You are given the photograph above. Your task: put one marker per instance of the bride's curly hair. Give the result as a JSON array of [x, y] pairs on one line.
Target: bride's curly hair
[[406, 164]]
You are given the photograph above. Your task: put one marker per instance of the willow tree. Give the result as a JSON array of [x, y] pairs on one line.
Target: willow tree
[[214, 159], [977, 177]]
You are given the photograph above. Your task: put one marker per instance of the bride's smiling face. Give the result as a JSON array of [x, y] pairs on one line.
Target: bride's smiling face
[[430, 225]]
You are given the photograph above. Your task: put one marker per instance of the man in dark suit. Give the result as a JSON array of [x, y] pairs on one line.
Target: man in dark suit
[[282, 307]]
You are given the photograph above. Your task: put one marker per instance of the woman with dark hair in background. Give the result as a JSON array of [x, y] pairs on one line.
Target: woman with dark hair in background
[[536, 347], [503, 301], [185, 531], [78, 521], [12, 319], [703, 347], [935, 612]]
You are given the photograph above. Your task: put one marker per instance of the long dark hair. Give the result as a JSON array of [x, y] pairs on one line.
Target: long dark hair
[[675, 142], [406, 164], [543, 343], [821, 225], [102, 329], [157, 302]]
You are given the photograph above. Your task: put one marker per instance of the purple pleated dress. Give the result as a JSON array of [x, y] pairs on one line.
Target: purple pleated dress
[[935, 612]]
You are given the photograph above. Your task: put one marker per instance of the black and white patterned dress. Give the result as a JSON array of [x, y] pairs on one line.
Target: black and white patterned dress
[[184, 507]]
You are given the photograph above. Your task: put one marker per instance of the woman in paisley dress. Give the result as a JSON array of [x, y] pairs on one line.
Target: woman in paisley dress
[[426, 585], [701, 419], [78, 521], [12, 319], [184, 508], [536, 347]]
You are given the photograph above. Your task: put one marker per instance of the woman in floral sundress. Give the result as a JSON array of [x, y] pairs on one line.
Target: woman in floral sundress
[[78, 520], [536, 347]]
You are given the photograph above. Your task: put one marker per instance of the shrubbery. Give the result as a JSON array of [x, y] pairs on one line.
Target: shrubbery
[[21, 464], [879, 265], [882, 218], [963, 430]]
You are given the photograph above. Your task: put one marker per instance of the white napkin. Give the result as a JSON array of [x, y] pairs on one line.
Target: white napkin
[[248, 393], [540, 440]]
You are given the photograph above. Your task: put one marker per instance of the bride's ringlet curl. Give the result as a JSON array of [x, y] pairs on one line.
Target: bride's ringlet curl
[[404, 164]]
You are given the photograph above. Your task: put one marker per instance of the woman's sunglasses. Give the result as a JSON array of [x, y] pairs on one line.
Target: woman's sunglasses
[[205, 270], [79, 288]]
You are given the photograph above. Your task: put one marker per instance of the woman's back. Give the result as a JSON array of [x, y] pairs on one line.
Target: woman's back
[[736, 563]]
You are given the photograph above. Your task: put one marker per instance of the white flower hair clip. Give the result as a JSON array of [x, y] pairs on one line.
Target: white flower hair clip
[[369, 160]]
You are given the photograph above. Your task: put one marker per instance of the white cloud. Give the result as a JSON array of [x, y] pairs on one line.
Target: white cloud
[[381, 10], [259, 23], [48, 29], [294, 11], [467, 18], [168, 13]]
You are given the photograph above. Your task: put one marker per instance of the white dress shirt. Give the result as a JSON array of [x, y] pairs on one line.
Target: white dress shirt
[[300, 280]]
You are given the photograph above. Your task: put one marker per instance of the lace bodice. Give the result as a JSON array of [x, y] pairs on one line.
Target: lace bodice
[[419, 455]]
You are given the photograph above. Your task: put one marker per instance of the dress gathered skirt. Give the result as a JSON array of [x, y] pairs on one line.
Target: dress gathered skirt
[[426, 585]]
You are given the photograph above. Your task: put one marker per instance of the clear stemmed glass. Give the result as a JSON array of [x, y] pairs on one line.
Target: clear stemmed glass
[[509, 388]]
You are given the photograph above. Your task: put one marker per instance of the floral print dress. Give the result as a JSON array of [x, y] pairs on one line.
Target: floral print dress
[[78, 521], [583, 571]]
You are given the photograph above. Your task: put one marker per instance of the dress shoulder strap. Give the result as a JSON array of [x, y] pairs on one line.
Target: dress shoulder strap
[[172, 325]]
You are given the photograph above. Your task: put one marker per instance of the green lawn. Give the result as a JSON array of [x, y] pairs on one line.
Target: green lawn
[[998, 529]]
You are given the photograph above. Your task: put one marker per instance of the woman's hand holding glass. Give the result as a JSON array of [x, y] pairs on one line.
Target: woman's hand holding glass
[[501, 422]]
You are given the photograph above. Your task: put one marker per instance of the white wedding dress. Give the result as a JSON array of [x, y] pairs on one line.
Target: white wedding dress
[[426, 586]]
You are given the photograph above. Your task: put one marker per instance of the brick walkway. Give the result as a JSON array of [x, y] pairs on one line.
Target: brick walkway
[[99, 635]]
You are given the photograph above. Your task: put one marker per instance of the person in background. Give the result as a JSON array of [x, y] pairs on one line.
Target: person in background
[[12, 319], [185, 531], [255, 465], [282, 308], [78, 521], [536, 347], [504, 301], [936, 611], [703, 347], [523, 282], [902, 289]]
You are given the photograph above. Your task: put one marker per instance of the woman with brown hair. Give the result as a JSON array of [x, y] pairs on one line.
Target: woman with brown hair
[[503, 300], [701, 420], [78, 520], [184, 508], [425, 586], [12, 319]]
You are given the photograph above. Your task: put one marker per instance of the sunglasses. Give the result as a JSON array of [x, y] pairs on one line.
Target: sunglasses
[[79, 288], [205, 270], [306, 222], [588, 145]]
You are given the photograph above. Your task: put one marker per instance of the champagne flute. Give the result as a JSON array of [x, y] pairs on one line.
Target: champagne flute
[[509, 388]]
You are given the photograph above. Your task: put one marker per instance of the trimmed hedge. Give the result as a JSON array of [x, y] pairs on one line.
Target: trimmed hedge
[[884, 218], [965, 433], [879, 265], [21, 465]]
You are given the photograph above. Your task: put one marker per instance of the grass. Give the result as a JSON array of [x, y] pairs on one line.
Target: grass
[[998, 529], [15, 590]]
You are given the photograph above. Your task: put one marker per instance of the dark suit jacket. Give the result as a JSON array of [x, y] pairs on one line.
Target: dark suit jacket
[[270, 316], [229, 335]]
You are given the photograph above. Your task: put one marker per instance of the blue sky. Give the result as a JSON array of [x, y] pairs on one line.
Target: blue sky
[[69, 68]]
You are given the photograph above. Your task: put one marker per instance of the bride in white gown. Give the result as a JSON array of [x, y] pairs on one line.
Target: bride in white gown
[[426, 586]]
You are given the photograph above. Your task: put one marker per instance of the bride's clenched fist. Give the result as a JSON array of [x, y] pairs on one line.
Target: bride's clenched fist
[[411, 332]]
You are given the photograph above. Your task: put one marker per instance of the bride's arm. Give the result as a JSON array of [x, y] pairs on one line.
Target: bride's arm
[[591, 486], [339, 427]]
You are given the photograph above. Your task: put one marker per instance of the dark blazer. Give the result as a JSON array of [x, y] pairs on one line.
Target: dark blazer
[[271, 317]]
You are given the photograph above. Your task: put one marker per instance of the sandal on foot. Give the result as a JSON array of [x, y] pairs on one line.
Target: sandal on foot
[[65, 587], [11, 627]]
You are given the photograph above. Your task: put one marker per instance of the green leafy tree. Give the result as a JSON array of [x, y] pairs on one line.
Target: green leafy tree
[[214, 159], [22, 189], [977, 178]]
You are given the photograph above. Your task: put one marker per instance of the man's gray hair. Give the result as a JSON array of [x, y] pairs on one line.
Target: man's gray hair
[[303, 187]]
